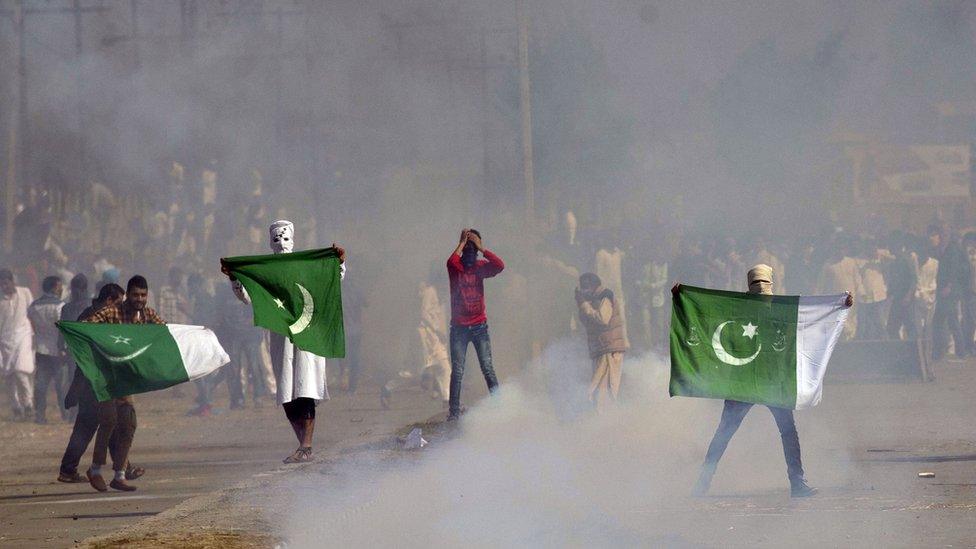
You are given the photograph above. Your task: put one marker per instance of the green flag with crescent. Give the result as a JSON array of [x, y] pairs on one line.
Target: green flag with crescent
[[764, 349], [297, 295]]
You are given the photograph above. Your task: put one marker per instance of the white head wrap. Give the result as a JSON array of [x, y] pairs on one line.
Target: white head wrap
[[282, 234]]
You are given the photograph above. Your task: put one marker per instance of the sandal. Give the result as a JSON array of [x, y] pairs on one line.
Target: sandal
[[302, 454], [133, 472]]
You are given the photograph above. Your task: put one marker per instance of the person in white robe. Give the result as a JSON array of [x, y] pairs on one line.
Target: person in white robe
[[300, 376], [16, 345]]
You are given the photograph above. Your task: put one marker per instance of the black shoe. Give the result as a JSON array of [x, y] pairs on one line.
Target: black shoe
[[800, 489]]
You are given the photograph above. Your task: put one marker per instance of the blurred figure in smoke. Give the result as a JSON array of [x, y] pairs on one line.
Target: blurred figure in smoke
[[609, 267], [925, 290], [243, 343], [872, 300], [16, 345], [201, 306], [952, 281], [841, 273], [350, 367], [902, 278], [299, 375], [760, 280], [44, 314], [469, 323], [599, 313], [651, 286], [969, 299], [433, 341]]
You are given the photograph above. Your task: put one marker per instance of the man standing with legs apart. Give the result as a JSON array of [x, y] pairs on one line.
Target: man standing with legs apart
[[44, 314], [299, 375], [119, 414], [16, 345], [600, 315], [760, 280], [469, 323]]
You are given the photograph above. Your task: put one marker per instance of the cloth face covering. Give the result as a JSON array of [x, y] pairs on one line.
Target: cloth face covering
[[282, 236]]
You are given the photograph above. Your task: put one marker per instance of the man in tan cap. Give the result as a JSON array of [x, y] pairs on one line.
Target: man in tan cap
[[760, 280]]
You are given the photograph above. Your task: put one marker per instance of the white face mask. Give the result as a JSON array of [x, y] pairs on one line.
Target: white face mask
[[282, 238]]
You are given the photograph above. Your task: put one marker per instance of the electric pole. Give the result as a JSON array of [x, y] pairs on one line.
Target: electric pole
[[14, 157], [525, 107]]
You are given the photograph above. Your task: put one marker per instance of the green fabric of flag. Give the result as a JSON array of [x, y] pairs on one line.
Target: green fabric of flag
[[127, 359], [763, 349], [297, 295]]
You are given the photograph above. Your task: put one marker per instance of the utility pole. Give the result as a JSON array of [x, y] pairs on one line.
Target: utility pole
[[14, 157], [525, 106]]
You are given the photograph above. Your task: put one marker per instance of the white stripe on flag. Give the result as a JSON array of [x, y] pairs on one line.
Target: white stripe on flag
[[199, 349], [819, 322]]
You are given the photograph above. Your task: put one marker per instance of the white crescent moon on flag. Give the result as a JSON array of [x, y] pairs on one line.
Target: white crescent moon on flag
[[724, 355], [125, 358], [308, 309]]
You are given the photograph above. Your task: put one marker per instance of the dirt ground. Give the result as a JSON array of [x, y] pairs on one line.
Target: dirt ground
[[185, 458], [225, 487]]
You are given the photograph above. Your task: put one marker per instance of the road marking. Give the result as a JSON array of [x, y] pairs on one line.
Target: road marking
[[104, 499]]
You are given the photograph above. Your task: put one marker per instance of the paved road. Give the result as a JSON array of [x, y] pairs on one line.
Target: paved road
[[184, 457]]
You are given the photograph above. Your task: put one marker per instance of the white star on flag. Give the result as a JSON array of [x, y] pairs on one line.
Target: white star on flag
[[279, 303], [122, 340], [748, 330]]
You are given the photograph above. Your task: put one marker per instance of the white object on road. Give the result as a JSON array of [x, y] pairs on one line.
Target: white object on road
[[414, 440]]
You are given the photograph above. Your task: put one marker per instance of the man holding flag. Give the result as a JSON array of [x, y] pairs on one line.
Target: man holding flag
[[779, 359], [126, 349], [119, 414], [297, 297]]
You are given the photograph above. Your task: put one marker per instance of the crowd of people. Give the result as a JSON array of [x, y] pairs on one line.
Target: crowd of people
[[908, 285]]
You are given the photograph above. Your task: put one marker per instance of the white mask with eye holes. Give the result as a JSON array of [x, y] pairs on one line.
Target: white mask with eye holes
[[282, 236]]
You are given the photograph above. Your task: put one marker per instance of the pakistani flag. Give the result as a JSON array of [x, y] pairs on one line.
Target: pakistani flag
[[763, 349], [127, 359], [297, 295]]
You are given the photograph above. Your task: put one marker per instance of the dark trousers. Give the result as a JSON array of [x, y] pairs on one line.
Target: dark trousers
[[968, 323], [732, 416], [870, 320], [460, 337], [86, 424], [945, 322], [49, 371], [207, 384], [116, 418], [901, 314], [350, 364], [245, 357]]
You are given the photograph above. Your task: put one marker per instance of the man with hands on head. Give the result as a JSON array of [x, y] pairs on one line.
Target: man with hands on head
[[469, 323]]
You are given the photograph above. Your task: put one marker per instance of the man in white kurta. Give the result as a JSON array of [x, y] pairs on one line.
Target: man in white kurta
[[16, 345], [299, 375], [433, 341]]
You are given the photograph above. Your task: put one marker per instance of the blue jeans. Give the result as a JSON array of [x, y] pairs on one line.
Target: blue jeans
[[732, 415], [460, 337]]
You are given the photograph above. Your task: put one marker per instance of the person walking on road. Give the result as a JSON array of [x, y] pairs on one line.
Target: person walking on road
[[600, 315], [469, 322], [760, 279]]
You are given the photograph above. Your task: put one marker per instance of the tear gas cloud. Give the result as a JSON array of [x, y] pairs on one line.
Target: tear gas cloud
[[387, 126], [535, 467]]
